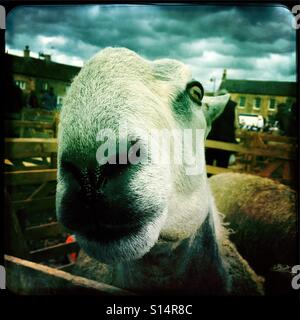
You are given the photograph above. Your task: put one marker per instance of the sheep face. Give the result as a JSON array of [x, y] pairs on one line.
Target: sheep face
[[115, 186]]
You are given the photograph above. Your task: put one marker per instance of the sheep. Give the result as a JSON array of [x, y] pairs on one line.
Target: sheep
[[262, 214], [149, 226]]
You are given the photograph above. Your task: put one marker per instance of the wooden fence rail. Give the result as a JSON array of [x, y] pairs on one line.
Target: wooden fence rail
[[287, 153], [18, 178], [35, 205], [30, 278], [20, 148], [32, 123], [53, 251], [44, 231], [243, 134], [16, 148], [29, 124]]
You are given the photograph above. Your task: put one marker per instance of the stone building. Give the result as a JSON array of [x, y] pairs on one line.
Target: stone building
[[40, 74], [259, 97]]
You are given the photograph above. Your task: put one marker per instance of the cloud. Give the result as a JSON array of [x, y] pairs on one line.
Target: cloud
[[55, 40], [251, 42]]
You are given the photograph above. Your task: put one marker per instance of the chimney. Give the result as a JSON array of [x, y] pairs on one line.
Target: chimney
[[47, 57], [26, 52], [224, 76]]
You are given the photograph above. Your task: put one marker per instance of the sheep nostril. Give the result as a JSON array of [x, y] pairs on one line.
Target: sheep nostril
[[112, 171], [83, 178], [68, 168], [92, 181]]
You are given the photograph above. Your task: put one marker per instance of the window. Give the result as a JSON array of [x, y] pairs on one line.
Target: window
[[256, 103], [242, 102], [45, 86], [21, 84], [289, 101], [272, 104], [59, 102]]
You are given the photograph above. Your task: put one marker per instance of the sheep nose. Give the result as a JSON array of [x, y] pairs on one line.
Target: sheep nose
[[92, 181]]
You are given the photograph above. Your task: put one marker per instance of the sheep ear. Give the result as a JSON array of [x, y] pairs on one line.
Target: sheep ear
[[214, 106]]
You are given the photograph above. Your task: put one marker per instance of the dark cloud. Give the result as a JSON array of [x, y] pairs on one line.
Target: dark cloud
[[209, 38]]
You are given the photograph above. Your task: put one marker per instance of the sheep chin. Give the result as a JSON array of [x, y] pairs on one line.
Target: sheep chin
[[131, 247]]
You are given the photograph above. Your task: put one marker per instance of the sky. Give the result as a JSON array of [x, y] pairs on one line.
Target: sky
[[251, 42]]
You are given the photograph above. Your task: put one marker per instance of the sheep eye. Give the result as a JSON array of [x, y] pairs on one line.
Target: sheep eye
[[195, 91]]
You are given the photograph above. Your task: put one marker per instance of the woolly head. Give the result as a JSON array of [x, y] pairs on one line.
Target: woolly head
[[130, 145]]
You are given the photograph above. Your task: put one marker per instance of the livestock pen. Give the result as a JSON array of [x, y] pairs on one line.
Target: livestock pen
[[33, 236], [262, 154], [37, 257]]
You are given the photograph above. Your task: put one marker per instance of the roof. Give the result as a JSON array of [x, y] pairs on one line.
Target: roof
[[40, 68], [273, 88]]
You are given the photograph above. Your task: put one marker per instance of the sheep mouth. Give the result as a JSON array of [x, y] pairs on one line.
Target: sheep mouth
[[100, 224], [105, 233]]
